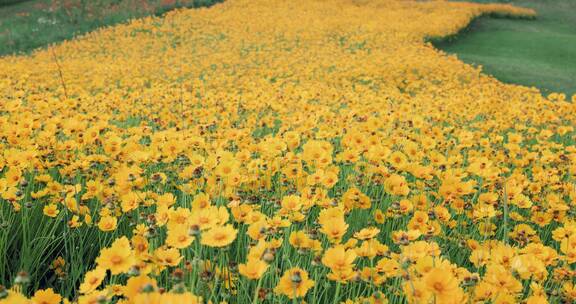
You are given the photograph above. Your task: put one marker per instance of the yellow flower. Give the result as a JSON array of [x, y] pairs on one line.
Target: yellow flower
[[342, 276], [167, 257], [51, 210], [396, 185], [46, 296], [93, 297], [527, 266], [501, 280], [179, 237], [253, 269], [258, 230], [201, 201], [367, 233], [537, 299], [379, 216], [442, 284], [107, 223], [294, 283], [334, 229], [92, 280], [15, 298], [339, 259], [138, 284], [168, 297], [130, 201], [118, 258], [291, 203], [205, 218], [299, 240], [220, 236]]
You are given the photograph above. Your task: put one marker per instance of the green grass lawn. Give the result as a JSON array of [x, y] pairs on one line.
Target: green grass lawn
[[26, 25], [540, 52]]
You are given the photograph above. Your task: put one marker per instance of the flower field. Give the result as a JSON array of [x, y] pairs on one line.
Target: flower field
[[268, 151]]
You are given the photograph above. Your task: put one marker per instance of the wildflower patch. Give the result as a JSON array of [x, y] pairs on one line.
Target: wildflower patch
[[282, 151]]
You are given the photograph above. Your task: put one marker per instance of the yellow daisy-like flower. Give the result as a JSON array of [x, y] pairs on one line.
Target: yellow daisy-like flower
[[294, 283], [220, 236]]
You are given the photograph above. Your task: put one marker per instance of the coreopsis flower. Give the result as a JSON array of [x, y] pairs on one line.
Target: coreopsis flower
[[396, 185], [203, 219], [569, 291], [330, 179], [379, 216], [527, 266], [201, 201], [178, 217], [568, 247], [92, 280], [537, 299], [253, 268], [419, 249], [130, 201], [46, 296], [291, 203], [107, 223], [294, 283], [371, 248], [389, 267], [137, 285], [140, 244], [416, 292], [220, 236], [405, 206], [334, 229], [117, 258], [258, 230], [167, 256], [339, 259], [342, 276], [168, 297], [13, 297], [501, 280], [404, 237], [74, 222], [330, 214], [481, 166], [443, 285], [353, 198], [419, 221], [51, 210], [398, 159], [299, 240], [179, 237]]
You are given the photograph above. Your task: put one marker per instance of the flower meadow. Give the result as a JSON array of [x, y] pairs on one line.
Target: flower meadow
[[268, 151]]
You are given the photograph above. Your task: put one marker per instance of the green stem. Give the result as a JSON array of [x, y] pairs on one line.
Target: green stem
[[505, 224], [337, 293], [255, 298]]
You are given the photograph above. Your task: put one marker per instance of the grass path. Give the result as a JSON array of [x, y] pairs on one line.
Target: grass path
[[539, 52]]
